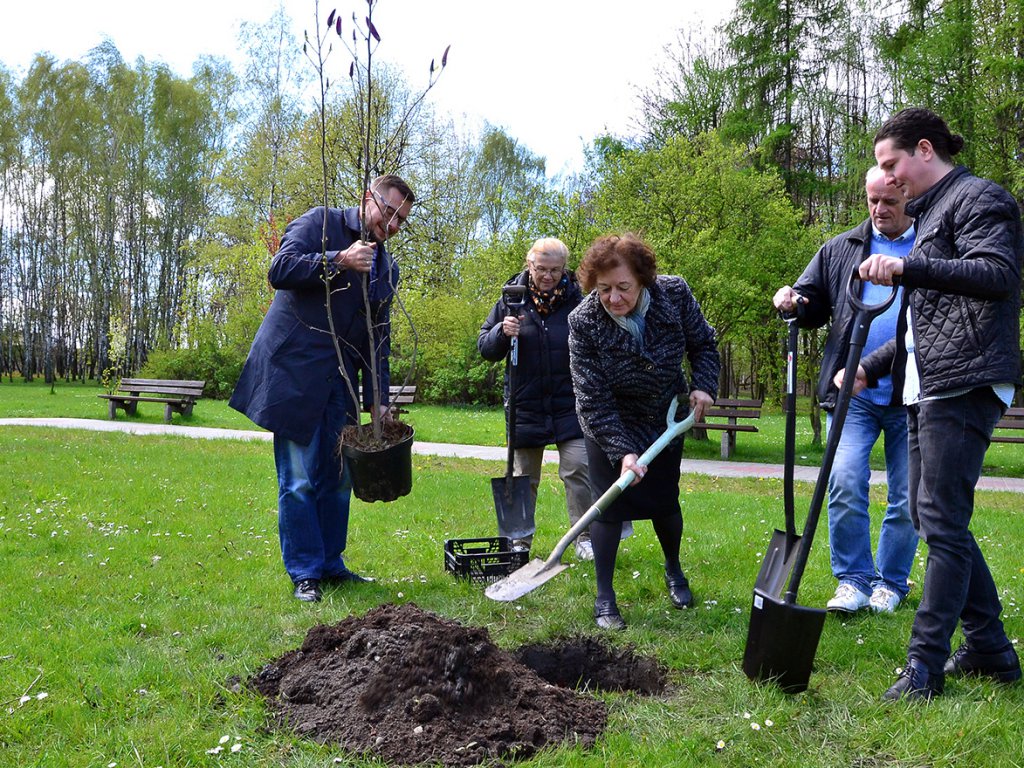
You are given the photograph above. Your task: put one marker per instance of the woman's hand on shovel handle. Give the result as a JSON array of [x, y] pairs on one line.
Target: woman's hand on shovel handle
[[629, 463], [700, 401], [859, 384]]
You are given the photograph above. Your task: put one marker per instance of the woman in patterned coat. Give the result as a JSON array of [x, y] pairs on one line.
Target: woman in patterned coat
[[628, 340]]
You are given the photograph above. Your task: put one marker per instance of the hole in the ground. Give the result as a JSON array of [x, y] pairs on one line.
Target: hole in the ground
[[588, 663]]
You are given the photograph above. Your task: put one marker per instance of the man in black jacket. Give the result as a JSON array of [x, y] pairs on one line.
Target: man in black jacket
[[820, 296], [959, 342]]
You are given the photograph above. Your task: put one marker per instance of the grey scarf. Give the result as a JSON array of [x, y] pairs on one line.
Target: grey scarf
[[634, 322]]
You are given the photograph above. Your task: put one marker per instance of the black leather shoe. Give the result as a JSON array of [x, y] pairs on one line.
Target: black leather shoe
[[346, 577], [308, 590], [915, 683], [1003, 666], [607, 616], [679, 591]]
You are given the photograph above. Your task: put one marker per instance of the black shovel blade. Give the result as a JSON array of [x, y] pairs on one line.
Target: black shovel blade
[[781, 642], [778, 563], [513, 503]]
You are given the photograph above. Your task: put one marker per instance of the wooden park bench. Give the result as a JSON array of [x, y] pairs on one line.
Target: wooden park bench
[[177, 396], [1012, 419], [398, 395], [732, 411]]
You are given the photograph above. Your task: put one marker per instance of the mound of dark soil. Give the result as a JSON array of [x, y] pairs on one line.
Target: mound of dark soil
[[411, 687], [584, 662]]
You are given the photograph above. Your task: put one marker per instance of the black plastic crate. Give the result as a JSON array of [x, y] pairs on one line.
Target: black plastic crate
[[483, 560]]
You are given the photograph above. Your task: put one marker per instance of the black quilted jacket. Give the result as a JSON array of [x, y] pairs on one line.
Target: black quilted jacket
[[622, 392], [962, 282], [545, 405]]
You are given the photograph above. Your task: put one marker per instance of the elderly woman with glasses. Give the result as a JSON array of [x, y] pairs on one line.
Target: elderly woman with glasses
[[545, 405], [628, 341]]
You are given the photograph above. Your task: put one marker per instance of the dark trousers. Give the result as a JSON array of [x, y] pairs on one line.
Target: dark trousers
[[947, 442]]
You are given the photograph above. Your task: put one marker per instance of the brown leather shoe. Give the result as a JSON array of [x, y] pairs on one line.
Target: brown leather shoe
[[607, 616]]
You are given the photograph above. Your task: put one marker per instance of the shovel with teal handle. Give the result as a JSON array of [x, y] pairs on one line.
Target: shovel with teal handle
[[537, 572]]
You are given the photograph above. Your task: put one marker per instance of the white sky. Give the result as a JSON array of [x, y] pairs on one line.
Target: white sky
[[553, 73]]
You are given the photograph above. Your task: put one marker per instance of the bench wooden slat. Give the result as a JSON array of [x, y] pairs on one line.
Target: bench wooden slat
[[163, 382], [1006, 439], [723, 413], [725, 402], [729, 427], [144, 399]]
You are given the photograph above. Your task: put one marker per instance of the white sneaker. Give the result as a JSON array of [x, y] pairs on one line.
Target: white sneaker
[[884, 600], [847, 599], [584, 549]]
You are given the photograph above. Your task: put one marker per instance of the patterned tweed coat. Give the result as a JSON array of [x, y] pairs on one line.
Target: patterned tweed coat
[[623, 388]]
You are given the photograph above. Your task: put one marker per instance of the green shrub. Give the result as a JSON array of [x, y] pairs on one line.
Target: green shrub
[[219, 367]]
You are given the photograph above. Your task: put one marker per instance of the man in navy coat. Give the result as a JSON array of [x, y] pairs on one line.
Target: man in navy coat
[[292, 384]]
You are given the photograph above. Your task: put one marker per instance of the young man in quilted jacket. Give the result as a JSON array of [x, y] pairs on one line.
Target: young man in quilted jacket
[[959, 343]]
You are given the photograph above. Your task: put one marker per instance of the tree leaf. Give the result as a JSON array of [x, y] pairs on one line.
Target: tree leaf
[[431, 66], [351, 69], [338, 26], [330, 19], [444, 57], [373, 29]]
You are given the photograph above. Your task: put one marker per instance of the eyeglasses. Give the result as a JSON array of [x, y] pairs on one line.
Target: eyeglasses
[[389, 211], [554, 272]]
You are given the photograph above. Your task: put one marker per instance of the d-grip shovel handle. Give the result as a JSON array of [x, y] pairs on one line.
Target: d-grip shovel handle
[[865, 313], [673, 429]]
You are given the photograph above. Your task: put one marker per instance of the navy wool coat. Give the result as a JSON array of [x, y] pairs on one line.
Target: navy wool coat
[[545, 404], [623, 388], [292, 365]]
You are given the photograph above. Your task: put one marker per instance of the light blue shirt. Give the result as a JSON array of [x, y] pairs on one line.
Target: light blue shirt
[[883, 327]]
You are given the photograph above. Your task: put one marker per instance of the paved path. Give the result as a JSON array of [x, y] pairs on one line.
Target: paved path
[[490, 453]]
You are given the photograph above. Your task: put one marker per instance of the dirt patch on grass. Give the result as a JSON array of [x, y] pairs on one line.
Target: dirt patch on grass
[[587, 663], [410, 687]]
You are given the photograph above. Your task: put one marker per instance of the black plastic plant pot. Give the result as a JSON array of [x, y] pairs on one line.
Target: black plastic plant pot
[[781, 642], [380, 475]]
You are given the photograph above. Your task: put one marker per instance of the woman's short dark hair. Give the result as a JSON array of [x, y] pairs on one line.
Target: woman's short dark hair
[[611, 251], [908, 126]]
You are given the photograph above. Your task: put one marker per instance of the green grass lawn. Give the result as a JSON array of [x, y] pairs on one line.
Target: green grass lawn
[[470, 425], [142, 580]]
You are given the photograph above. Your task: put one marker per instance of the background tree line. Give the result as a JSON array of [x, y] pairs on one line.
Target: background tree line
[[139, 208]]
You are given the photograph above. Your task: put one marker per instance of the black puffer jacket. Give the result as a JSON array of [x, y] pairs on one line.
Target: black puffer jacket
[[622, 391], [545, 404], [824, 284], [962, 282]]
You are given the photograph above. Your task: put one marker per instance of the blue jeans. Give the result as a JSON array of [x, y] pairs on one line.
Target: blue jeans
[[849, 523], [313, 497], [948, 440]]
